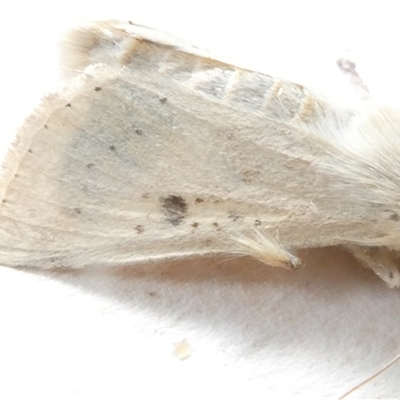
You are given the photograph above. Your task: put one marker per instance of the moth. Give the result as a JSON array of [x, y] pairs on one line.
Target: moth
[[150, 150]]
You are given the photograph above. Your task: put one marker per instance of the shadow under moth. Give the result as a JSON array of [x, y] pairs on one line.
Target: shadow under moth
[[150, 150]]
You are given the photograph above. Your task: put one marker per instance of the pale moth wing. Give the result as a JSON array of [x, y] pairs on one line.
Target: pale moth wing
[[151, 150]]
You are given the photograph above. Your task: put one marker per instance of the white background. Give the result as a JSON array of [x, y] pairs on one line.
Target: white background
[[254, 331]]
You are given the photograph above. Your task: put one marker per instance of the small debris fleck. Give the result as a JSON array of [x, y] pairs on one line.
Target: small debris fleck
[[182, 349]]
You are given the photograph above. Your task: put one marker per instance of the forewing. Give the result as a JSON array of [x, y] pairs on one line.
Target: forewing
[[153, 152]]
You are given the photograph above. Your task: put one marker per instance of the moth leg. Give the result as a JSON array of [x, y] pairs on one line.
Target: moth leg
[[381, 260]]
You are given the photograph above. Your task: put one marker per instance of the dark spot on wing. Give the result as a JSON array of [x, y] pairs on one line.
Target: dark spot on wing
[[68, 105], [175, 208], [112, 148], [394, 217], [46, 127], [78, 210], [163, 100], [233, 216], [195, 224], [139, 229], [215, 224], [90, 165], [97, 88], [30, 150], [257, 222], [139, 132], [198, 200], [250, 175]]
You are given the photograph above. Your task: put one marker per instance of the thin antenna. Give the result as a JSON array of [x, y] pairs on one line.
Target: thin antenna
[[348, 67], [369, 379]]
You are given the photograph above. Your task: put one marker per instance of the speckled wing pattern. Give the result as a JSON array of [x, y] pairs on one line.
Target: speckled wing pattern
[[151, 151]]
